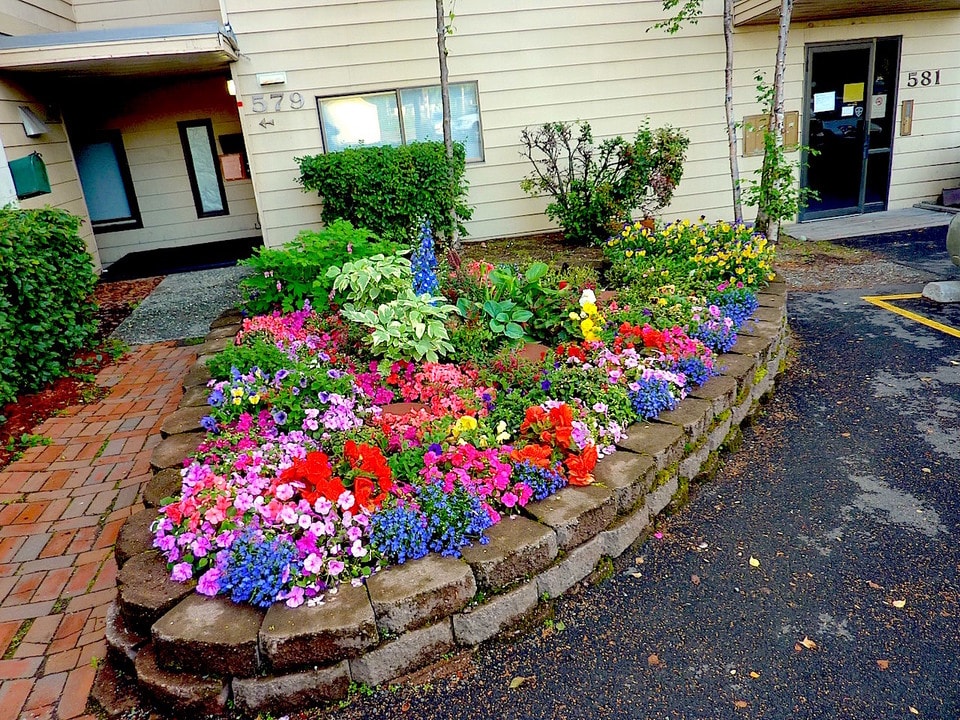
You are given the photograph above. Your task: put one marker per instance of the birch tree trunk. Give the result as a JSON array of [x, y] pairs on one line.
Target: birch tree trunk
[[764, 223], [454, 238], [728, 105]]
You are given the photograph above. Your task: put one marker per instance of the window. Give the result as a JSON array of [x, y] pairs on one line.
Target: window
[[397, 117], [106, 182], [203, 168]]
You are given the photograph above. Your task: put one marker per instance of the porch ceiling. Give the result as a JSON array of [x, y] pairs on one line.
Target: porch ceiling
[[765, 12], [157, 50]]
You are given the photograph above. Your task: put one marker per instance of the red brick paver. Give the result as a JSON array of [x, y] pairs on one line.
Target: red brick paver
[[61, 506]]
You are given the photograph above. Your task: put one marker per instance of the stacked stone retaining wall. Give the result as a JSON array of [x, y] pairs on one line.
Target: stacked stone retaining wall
[[190, 655]]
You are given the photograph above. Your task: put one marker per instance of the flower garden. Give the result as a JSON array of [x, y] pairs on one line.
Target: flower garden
[[395, 404]]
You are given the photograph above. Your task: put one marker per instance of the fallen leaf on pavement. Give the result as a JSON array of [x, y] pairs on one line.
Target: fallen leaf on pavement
[[754, 674], [899, 603], [739, 704], [883, 664], [912, 709], [754, 562], [695, 579], [653, 661], [518, 681], [405, 707], [635, 574], [808, 643], [844, 434], [926, 470], [873, 586]]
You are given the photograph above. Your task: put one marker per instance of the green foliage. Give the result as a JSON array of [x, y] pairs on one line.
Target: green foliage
[[690, 11], [285, 277], [596, 188], [517, 304], [390, 189], [406, 328], [774, 189], [254, 352], [367, 282], [46, 305]]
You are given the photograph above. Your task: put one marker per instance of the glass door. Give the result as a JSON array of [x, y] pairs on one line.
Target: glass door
[[850, 95]]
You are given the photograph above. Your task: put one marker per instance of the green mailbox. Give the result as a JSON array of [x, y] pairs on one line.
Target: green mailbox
[[30, 176]]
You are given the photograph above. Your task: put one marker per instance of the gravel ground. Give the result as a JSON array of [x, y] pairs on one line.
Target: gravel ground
[[182, 306]]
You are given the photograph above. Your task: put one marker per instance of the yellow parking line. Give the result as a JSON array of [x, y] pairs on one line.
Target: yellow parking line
[[882, 302]]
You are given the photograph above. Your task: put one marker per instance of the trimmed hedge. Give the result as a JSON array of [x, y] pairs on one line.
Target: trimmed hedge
[[46, 304], [390, 190]]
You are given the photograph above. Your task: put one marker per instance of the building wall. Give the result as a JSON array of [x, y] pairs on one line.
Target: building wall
[[596, 60], [146, 112], [37, 16], [100, 14]]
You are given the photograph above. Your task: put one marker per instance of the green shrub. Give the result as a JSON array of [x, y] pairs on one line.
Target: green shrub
[[254, 352], [46, 305], [390, 189], [285, 277], [596, 188]]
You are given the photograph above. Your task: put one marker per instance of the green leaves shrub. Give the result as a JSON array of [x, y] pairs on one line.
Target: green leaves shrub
[[408, 327], [285, 277], [595, 188], [46, 305], [390, 190], [370, 281]]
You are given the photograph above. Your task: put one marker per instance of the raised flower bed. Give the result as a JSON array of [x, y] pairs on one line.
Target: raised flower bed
[[289, 517]]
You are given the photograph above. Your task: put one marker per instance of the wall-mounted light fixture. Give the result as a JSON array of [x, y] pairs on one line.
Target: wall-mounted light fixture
[[231, 87], [272, 78], [33, 126]]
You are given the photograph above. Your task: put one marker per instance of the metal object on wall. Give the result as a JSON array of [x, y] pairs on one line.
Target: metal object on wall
[[906, 118]]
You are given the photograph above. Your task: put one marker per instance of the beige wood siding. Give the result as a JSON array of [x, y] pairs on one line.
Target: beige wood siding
[[18, 17], [53, 147], [147, 118], [534, 62], [97, 14]]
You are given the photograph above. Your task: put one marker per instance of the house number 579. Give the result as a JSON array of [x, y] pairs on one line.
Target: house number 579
[[924, 78], [274, 102]]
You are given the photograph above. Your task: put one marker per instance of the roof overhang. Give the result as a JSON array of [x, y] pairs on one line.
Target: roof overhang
[[154, 50], [767, 12]]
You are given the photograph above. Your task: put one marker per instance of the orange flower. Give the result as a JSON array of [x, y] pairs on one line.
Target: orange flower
[[580, 467], [538, 455]]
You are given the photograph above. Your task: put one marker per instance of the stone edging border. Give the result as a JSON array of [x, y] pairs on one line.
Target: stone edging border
[[189, 654]]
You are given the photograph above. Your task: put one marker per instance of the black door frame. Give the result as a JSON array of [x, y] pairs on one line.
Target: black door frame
[[863, 43]]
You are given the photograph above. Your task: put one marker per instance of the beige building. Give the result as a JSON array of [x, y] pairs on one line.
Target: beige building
[[127, 102]]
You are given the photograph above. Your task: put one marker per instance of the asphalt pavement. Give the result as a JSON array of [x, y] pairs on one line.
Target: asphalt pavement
[[815, 577]]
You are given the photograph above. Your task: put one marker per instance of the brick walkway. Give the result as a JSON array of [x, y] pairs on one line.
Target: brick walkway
[[61, 507]]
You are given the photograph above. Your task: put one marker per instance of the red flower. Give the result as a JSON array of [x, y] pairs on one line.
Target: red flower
[[652, 338], [315, 474]]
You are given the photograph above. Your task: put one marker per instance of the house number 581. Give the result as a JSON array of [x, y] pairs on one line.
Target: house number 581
[[924, 78], [274, 102]]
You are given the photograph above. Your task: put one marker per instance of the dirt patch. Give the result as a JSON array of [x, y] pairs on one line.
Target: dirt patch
[[816, 266], [546, 247], [115, 300]]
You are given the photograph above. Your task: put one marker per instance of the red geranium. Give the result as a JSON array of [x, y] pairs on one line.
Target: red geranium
[[315, 475]]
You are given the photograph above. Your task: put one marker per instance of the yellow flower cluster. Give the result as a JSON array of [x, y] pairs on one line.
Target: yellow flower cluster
[[717, 252], [590, 319]]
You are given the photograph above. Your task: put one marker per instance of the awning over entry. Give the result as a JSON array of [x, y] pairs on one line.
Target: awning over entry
[[765, 12], [158, 49]]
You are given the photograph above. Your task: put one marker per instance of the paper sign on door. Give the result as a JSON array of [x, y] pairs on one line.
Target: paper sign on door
[[879, 106], [853, 92], [824, 102]]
